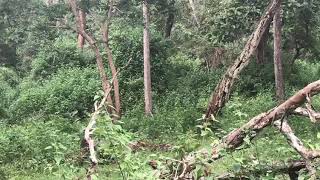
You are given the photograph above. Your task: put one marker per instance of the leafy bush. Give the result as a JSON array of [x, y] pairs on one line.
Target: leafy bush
[[39, 145], [8, 80], [128, 45], [303, 73], [63, 53], [180, 105], [69, 92]]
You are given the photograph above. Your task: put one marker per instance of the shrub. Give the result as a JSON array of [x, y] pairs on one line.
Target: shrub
[[303, 73], [62, 53], [8, 80], [128, 45], [69, 92], [38, 144], [180, 105]]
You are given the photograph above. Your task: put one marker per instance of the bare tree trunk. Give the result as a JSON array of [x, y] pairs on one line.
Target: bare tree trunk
[[278, 66], [105, 36], [170, 19], [82, 19], [104, 80], [223, 90], [146, 57]]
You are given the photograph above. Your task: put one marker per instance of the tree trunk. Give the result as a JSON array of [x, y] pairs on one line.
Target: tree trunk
[[146, 60], [170, 19], [105, 36], [104, 80], [82, 21], [278, 66], [252, 128], [256, 124], [223, 90]]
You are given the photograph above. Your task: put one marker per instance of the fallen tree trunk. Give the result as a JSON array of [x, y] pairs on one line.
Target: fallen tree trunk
[[256, 124], [222, 91], [276, 115]]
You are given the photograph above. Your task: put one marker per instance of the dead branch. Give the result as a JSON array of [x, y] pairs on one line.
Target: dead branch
[[91, 127], [312, 114], [294, 141], [306, 113], [90, 141], [297, 144], [256, 124], [236, 138]]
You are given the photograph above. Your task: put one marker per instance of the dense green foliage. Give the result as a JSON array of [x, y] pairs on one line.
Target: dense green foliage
[[49, 86]]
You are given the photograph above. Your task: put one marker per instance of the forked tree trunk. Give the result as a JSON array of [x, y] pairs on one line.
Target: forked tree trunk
[[104, 80], [223, 90], [146, 60], [82, 19], [278, 66], [105, 35]]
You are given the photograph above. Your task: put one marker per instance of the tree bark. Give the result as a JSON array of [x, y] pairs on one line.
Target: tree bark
[[105, 36], [278, 66], [82, 21], [223, 90], [146, 60], [104, 80]]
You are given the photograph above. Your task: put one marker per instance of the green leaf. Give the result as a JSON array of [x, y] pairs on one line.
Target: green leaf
[[49, 147], [236, 167]]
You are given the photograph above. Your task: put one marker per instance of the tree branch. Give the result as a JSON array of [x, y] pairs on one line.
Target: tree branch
[[306, 113], [236, 138]]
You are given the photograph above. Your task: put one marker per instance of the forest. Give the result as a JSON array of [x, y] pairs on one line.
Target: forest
[[159, 89]]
